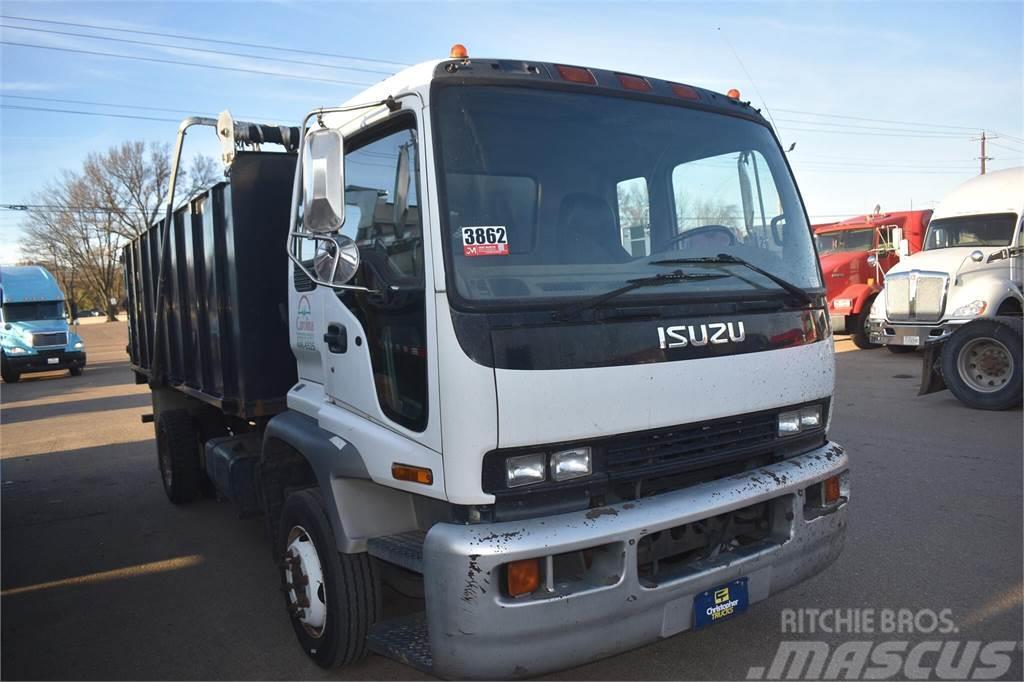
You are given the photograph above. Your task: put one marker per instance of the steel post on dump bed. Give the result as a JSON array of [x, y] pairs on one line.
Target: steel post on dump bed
[[156, 378]]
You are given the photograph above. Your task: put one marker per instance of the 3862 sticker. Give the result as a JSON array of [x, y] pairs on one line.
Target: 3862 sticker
[[485, 240]]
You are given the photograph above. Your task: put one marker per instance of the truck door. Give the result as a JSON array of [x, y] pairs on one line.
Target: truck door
[[375, 350]]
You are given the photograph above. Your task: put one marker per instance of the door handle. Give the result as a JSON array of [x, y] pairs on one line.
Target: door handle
[[336, 338]]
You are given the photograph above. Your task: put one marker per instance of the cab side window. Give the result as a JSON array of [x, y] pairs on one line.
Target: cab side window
[[382, 215]]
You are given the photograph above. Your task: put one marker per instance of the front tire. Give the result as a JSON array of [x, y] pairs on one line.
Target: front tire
[[860, 333], [982, 364], [75, 371], [177, 448], [332, 599]]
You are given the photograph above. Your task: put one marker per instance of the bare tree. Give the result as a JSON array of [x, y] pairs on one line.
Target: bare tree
[[83, 219]]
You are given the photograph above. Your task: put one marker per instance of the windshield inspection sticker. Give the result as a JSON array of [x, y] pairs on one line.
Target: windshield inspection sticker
[[486, 240]]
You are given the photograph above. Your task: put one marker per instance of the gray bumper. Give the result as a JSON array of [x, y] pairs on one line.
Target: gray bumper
[[476, 632], [902, 334]]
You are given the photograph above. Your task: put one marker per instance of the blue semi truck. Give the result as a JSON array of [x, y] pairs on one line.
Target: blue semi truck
[[34, 331]]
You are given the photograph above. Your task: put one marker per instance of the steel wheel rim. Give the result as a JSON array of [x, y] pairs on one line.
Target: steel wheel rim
[[304, 585], [985, 365]]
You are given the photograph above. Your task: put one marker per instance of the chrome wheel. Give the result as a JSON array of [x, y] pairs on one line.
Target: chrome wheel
[[304, 582], [985, 365]]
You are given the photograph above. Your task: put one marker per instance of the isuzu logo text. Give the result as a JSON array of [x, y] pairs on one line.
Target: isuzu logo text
[[685, 335]]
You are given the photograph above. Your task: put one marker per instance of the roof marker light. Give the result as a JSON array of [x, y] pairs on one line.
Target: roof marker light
[[458, 51], [684, 91], [733, 94], [576, 74], [634, 82]]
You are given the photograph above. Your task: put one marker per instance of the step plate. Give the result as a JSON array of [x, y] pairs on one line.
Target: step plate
[[403, 549], [404, 640]]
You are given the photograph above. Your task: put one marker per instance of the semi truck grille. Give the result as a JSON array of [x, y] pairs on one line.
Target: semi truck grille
[[916, 296], [50, 339]]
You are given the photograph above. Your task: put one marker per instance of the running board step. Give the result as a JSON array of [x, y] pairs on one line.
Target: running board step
[[403, 549], [404, 640]]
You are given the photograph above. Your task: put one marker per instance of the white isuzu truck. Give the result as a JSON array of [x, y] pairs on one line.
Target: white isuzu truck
[[545, 347]]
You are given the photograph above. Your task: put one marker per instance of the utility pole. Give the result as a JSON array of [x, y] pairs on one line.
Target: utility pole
[[983, 158]]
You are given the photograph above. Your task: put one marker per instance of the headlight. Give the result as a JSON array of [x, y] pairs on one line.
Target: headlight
[[79, 344], [804, 419], [877, 311], [16, 350], [525, 469], [569, 464], [972, 309], [26, 336]]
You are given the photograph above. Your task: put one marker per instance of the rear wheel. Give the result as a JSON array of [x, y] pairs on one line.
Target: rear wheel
[[859, 330], [177, 448], [982, 365], [333, 599]]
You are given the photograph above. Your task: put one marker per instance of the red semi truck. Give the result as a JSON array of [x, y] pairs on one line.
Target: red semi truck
[[855, 254]]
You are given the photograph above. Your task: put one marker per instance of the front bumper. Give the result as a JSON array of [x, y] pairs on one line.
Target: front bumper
[[43, 361], [916, 335], [476, 632]]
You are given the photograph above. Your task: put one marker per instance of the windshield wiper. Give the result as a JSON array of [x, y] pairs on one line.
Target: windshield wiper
[[725, 259], [574, 309]]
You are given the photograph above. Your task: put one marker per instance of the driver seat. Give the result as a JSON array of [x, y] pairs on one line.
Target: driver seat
[[588, 231]]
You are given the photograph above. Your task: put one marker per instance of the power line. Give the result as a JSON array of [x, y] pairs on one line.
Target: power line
[[180, 63], [873, 134], [1003, 146], [879, 120], [164, 34], [187, 112], [89, 113], [850, 126], [197, 49]]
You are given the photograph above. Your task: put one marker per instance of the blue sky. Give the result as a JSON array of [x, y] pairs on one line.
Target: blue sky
[[956, 65]]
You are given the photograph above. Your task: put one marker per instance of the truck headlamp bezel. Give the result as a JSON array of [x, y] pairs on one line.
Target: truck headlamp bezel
[[526, 469], [16, 350]]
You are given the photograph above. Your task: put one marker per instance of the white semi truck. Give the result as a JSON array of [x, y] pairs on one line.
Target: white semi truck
[[544, 346]]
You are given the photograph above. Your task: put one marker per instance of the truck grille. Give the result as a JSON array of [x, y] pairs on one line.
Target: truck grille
[[915, 295], [49, 339]]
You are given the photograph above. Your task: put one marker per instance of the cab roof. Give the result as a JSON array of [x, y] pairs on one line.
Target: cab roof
[[997, 192], [24, 283], [870, 220]]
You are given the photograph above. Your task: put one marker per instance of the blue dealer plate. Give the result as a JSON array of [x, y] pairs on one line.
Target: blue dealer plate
[[720, 603]]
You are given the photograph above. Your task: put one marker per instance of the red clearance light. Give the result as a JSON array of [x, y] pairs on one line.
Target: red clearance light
[[684, 91], [458, 51], [575, 74], [734, 94], [634, 82]]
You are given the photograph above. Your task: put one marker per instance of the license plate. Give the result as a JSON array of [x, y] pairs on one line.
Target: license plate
[[911, 340], [52, 361], [720, 603]]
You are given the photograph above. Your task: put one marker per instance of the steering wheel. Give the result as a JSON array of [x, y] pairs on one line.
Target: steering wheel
[[696, 232]]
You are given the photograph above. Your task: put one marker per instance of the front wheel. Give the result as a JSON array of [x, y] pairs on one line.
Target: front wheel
[[859, 331], [982, 366], [333, 599], [75, 371]]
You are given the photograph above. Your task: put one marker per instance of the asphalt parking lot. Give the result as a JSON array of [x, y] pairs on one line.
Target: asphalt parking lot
[[102, 578]]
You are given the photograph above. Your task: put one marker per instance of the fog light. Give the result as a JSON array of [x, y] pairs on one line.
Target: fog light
[[569, 464], [789, 423], [831, 489], [16, 350], [523, 577], [810, 417], [525, 469]]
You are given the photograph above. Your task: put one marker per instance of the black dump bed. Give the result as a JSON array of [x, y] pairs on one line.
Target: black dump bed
[[226, 331]]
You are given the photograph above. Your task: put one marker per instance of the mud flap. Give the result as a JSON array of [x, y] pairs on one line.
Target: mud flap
[[931, 369]]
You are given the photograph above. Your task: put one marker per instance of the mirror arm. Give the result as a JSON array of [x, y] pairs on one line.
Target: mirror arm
[[313, 277]]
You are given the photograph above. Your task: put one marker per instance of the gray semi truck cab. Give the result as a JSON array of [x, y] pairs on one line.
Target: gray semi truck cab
[[544, 346]]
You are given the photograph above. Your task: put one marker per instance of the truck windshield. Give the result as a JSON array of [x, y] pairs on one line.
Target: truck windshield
[[847, 240], [549, 196], [992, 229], [33, 311]]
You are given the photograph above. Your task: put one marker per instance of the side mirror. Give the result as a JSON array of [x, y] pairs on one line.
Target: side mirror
[[904, 249], [872, 260], [336, 260], [323, 181]]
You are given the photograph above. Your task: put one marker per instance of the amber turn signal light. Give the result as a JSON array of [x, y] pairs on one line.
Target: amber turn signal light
[[831, 489], [523, 577], [406, 472]]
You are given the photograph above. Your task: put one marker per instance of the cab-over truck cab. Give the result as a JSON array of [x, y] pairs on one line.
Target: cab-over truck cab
[[562, 365]]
